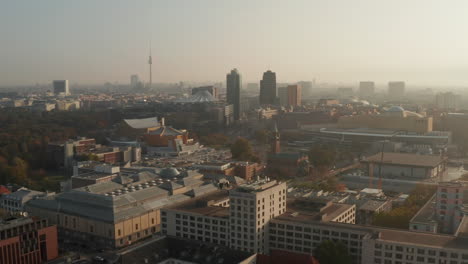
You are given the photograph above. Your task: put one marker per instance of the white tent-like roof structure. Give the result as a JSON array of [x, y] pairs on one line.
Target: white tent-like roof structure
[[199, 97], [143, 123]]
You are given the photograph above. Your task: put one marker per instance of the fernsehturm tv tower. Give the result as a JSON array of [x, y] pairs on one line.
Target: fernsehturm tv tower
[[150, 62]]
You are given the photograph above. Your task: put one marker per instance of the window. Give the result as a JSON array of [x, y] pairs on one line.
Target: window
[[118, 232]]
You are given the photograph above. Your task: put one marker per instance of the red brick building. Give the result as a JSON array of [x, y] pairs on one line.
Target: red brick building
[[27, 240], [245, 170]]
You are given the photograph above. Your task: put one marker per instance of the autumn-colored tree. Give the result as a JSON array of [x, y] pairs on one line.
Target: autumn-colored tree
[[263, 136], [322, 156], [399, 217], [214, 140], [241, 150]]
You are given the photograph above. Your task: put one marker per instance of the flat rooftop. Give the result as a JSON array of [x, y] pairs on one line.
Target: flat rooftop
[[201, 205], [405, 159], [426, 213], [257, 186], [214, 163], [13, 222], [426, 239], [384, 133], [371, 205], [300, 211], [93, 175], [160, 250], [395, 235]]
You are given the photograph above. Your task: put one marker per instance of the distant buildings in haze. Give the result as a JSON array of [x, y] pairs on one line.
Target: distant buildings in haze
[[61, 87], [134, 80], [447, 100], [366, 89], [306, 87], [396, 90]]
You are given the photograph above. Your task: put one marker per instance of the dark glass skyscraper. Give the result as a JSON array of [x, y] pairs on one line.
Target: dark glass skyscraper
[[233, 86], [268, 88]]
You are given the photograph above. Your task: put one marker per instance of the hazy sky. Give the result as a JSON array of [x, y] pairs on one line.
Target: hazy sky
[[93, 41]]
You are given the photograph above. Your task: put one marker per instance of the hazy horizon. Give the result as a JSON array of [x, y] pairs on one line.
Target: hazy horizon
[[420, 42]]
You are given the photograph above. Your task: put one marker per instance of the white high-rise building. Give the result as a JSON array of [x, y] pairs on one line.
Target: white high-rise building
[[251, 209]]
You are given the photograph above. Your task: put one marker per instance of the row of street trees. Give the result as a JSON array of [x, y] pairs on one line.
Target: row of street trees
[[399, 217]]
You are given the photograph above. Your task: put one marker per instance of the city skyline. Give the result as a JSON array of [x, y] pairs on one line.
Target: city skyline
[[336, 41]]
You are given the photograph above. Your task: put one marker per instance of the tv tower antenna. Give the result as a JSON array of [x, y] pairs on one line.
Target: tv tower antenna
[[150, 62]]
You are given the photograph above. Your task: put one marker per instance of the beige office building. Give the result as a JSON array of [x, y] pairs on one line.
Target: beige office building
[[115, 214], [241, 219], [395, 118], [251, 208]]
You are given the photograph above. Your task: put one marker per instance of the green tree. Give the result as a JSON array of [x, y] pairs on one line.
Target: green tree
[[263, 136], [399, 217], [329, 252], [241, 150], [214, 140], [322, 156]]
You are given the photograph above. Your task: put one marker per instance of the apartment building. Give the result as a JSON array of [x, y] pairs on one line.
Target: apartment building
[[204, 219], [300, 234], [387, 246], [449, 200], [240, 219], [27, 240]]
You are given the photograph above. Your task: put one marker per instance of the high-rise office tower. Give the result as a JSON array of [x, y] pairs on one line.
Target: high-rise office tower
[[294, 95], [396, 90], [268, 88], [366, 89], [61, 87], [233, 87], [134, 80]]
